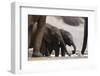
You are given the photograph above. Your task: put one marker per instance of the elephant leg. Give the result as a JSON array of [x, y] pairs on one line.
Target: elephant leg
[[62, 52], [47, 53], [50, 51], [85, 36], [57, 52], [43, 48], [39, 36], [29, 40], [63, 46], [37, 44], [29, 35]]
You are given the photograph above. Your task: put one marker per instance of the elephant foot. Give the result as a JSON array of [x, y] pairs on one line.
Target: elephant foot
[[47, 53], [63, 54], [73, 52], [82, 53], [56, 55], [37, 54]]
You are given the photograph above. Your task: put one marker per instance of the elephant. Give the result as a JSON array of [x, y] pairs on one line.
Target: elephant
[[44, 49], [50, 33], [72, 21], [68, 39], [76, 21], [35, 35], [53, 40]]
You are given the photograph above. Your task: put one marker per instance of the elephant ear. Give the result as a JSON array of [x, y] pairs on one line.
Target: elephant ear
[[74, 21]]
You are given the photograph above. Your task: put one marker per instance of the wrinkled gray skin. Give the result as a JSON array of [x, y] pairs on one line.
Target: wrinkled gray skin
[[76, 21], [54, 45], [51, 41], [52, 38], [36, 27], [36, 34], [68, 39], [73, 21]]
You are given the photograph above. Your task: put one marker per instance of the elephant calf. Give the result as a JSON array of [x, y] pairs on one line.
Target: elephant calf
[[53, 40], [68, 39]]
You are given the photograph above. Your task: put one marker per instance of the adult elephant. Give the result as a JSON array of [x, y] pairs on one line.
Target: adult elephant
[[40, 20], [51, 39], [36, 27]]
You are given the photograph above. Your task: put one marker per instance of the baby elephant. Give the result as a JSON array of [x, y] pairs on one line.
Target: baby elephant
[[53, 40], [68, 39]]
